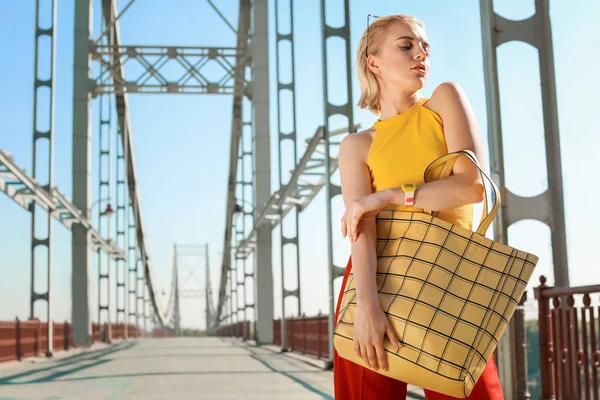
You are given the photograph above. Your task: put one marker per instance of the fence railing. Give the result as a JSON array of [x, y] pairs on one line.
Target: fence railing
[[162, 333], [569, 341], [306, 335], [21, 339], [239, 329]]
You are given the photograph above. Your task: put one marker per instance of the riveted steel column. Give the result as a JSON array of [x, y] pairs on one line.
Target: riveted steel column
[[330, 110], [546, 207], [146, 302], [132, 270], [104, 221], [80, 278], [262, 144], [291, 135], [122, 202], [207, 293], [240, 90], [43, 128], [140, 288], [244, 185], [176, 314]]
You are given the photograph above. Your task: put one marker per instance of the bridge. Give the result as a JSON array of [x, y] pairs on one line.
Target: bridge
[[226, 287]]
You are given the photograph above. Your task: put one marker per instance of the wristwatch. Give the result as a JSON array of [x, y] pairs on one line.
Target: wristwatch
[[409, 194]]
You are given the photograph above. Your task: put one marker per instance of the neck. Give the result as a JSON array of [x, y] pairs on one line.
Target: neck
[[394, 102]]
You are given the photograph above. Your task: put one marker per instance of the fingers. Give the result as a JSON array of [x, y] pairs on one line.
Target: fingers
[[391, 334], [350, 221], [372, 356], [368, 356], [364, 353], [350, 227], [357, 348], [381, 356]]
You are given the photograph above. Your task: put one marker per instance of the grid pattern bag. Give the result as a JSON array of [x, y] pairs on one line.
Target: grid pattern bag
[[447, 291]]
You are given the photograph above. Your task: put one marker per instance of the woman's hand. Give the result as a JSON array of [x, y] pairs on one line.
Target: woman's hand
[[370, 325], [363, 207]]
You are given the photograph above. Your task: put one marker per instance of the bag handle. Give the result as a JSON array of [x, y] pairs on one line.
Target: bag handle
[[448, 161], [448, 165]]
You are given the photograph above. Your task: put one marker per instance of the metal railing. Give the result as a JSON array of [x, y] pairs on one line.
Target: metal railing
[[305, 335], [241, 329], [22, 339], [569, 342]]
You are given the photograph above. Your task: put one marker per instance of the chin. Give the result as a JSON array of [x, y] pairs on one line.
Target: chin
[[417, 84]]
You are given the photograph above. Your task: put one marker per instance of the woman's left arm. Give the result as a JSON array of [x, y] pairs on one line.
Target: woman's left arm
[[460, 129], [463, 187]]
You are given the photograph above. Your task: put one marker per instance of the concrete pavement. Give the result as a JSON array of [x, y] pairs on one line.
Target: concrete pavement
[[170, 368]]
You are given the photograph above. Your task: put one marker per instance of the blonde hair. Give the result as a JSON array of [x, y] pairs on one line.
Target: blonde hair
[[369, 89]]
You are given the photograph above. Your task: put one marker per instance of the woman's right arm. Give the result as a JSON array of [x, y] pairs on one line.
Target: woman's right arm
[[370, 323], [356, 183]]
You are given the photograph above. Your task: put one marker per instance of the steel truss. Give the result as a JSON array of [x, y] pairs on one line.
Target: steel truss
[[25, 191], [234, 156], [304, 184], [155, 60]]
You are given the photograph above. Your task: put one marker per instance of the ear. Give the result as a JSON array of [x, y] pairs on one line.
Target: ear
[[373, 64]]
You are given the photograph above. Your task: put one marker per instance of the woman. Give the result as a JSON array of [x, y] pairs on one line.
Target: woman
[[376, 164]]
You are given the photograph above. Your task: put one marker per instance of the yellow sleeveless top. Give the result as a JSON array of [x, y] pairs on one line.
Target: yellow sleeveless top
[[403, 147]]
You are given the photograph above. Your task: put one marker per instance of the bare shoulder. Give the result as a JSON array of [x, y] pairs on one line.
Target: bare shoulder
[[460, 126], [357, 145], [448, 97], [352, 162]]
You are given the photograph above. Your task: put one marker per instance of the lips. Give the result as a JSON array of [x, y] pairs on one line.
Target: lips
[[421, 68]]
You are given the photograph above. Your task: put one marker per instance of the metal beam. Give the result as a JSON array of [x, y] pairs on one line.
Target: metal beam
[[263, 263], [222, 16], [41, 221], [291, 135], [122, 104], [547, 207], [175, 293], [236, 132], [108, 27], [305, 182], [105, 276], [156, 65], [132, 268], [122, 222], [342, 35], [25, 191], [209, 309], [80, 277]]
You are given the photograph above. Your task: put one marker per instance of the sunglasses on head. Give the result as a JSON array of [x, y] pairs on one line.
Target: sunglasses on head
[[367, 46]]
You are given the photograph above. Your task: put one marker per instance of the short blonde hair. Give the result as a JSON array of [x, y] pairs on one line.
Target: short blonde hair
[[369, 89]]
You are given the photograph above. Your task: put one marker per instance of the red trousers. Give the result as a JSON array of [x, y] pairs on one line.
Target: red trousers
[[354, 382]]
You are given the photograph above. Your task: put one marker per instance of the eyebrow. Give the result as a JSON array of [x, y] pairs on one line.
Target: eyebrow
[[412, 38]]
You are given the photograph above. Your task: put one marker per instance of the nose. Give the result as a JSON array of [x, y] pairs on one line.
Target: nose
[[420, 53]]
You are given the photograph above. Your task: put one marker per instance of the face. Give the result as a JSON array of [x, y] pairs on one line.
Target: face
[[403, 57]]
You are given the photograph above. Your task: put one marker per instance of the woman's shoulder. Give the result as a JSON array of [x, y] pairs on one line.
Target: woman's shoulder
[[357, 144], [446, 96]]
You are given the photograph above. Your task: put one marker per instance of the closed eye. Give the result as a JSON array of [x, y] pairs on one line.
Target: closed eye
[[426, 45], [410, 46]]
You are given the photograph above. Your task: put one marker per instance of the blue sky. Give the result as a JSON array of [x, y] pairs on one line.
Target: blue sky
[[182, 142]]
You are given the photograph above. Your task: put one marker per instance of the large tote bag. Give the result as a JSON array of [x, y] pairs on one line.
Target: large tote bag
[[448, 292]]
